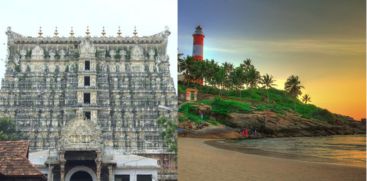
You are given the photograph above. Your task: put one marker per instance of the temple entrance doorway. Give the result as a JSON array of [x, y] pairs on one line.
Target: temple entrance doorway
[[81, 176], [81, 173]]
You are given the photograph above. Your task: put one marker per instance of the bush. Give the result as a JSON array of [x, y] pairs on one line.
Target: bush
[[189, 112], [324, 115], [8, 131], [181, 89], [169, 133]]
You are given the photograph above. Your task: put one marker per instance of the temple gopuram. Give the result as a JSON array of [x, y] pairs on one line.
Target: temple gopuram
[[89, 105]]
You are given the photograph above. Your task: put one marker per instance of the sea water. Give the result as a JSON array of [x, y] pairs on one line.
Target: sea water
[[349, 149]]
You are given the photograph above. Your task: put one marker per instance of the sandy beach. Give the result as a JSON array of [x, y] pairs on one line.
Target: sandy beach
[[200, 161]]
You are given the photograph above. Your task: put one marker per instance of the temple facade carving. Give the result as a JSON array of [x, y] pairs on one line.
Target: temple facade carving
[[70, 91]]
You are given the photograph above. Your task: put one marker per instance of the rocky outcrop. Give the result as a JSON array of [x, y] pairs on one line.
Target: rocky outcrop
[[269, 124], [212, 132]]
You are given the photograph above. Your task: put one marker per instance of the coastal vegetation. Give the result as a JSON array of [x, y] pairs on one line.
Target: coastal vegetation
[[228, 77], [306, 98], [252, 100], [241, 96]]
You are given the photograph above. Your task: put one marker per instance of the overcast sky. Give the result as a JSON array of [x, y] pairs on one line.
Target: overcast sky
[[322, 41], [149, 17]]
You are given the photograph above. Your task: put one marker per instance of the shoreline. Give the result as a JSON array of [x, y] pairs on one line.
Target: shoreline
[[226, 144], [227, 133], [198, 160]]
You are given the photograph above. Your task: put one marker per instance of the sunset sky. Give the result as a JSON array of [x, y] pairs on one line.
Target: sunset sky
[[323, 42]]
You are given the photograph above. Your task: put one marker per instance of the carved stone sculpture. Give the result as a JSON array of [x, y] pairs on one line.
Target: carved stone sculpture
[[137, 53], [37, 53]]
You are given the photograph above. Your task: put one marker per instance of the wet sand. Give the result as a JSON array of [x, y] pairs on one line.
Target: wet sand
[[198, 160]]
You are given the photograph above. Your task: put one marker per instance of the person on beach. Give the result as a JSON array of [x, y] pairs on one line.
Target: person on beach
[[243, 133], [246, 133]]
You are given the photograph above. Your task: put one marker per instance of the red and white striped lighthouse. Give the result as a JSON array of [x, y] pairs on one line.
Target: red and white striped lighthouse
[[198, 47]]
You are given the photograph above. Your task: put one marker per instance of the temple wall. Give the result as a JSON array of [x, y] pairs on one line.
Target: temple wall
[[44, 87]]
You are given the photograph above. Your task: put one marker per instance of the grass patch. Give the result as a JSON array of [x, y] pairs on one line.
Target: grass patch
[[189, 113], [214, 122], [224, 107], [257, 99]]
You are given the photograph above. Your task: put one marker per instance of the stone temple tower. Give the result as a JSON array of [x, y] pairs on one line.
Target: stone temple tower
[[119, 83]]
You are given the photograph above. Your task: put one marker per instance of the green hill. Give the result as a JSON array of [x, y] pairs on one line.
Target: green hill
[[242, 108]]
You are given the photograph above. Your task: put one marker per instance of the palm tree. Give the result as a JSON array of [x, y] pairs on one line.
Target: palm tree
[[306, 98], [186, 65], [220, 77], [210, 68], [228, 68], [253, 77], [236, 77], [293, 86], [268, 82], [246, 64], [198, 73]]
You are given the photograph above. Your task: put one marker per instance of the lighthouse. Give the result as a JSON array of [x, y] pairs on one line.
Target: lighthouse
[[198, 46]]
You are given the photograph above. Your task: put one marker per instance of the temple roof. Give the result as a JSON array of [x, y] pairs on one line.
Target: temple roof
[[152, 39], [14, 160], [11, 148]]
